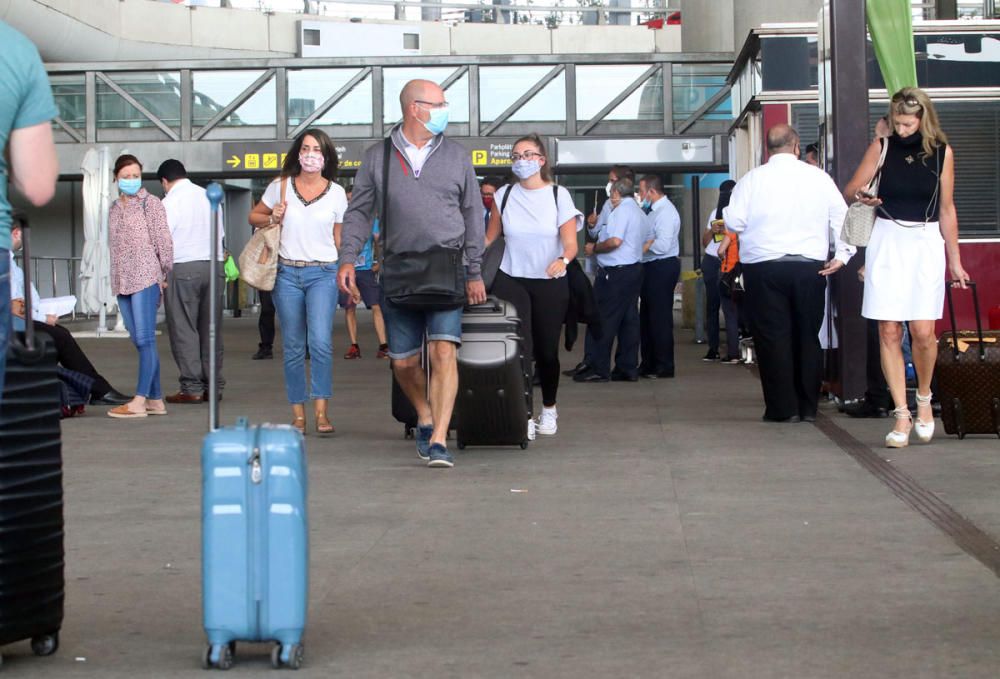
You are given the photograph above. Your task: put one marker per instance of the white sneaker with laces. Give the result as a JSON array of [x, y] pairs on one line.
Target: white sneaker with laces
[[531, 429], [547, 422]]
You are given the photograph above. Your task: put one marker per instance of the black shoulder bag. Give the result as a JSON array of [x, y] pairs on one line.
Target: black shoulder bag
[[430, 280]]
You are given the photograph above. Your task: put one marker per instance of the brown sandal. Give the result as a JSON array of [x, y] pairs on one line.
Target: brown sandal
[[300, 424], [323, 426]]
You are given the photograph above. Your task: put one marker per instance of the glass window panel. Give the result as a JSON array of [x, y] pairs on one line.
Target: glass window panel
[[789, 63], [309, 88], [70, 95], [214, 90], [393, 80], [695, 84], [158, 92], [596, 86], [501, 86], [953, 60]]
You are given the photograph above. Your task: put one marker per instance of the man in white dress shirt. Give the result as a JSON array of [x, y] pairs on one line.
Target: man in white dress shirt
[[186, 299], [787, 214], [661, 267]]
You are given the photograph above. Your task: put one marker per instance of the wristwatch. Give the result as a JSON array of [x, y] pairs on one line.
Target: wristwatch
[[565, 260]]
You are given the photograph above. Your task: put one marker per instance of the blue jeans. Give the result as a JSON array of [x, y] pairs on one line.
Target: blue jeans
[[306, 299], [406, 327], [139, 312], [4, 313]]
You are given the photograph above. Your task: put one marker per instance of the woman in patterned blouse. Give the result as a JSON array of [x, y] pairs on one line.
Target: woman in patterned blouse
[[142, 254]]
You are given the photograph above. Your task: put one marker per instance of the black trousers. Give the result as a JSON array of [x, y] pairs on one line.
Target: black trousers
[[265, 323], [71, 356], [786, 311], [876, 389], [541, 304], [656, 316], [616, 290]]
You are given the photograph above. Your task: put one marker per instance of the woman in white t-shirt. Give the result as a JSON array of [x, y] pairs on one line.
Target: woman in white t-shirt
[[539, 223], [712, 237], [309, 206]]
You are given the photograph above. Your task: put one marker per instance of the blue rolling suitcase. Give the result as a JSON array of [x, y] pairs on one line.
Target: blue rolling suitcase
[[255, 540], [255, 551]]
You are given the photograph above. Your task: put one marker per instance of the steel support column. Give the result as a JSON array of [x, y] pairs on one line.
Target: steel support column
[[850, 137]]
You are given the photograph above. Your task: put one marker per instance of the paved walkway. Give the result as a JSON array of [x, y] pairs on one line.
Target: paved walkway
[[665, 532]]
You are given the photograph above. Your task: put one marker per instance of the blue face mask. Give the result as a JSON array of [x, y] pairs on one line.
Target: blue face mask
[[525, 168], [129, 187], [438, 120], [647, 206]]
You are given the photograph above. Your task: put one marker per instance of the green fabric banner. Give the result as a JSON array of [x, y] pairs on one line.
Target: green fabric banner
[[890, 23]]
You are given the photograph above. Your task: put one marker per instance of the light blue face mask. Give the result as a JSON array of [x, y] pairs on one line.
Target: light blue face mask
[[647, 206], [129, 187], [525, 168], [438, 120]]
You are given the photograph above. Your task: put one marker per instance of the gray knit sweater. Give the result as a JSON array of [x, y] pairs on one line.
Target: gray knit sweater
[[441, 208]]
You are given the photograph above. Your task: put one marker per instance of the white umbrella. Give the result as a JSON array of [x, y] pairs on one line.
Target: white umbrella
[[91, 298]]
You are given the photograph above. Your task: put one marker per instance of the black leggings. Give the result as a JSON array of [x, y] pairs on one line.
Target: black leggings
[[541, 303]]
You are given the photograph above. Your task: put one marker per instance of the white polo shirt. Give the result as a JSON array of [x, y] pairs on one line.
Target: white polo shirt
[[189, 220]]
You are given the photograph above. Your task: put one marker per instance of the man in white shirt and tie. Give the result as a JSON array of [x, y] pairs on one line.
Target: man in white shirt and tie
[[186, 299], [788, 213]]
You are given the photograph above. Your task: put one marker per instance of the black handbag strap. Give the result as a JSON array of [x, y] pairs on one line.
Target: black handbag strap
[[384, 209]]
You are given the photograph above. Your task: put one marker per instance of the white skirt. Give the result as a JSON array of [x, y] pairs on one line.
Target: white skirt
[[904, 272]]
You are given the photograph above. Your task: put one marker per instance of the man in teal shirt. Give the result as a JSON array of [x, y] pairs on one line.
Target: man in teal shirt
[[26, 109]]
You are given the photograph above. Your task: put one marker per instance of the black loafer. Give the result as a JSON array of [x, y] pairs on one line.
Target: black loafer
[[621, 377], [589, 376], [862, 407], [579, 368], [794, 419], [262, 353], [112, 398]]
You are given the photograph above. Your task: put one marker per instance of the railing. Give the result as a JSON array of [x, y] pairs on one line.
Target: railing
[[275, 99], [56, 276]]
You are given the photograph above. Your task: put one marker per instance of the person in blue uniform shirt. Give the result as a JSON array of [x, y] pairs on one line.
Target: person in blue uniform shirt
[[596, 221], [661, 268], [617, 286]]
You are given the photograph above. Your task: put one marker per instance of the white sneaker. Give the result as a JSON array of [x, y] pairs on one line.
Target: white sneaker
[[547, 422], [531, 429]]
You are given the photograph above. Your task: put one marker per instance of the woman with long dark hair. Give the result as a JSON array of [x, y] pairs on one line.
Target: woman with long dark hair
[[309, 206], [715, 232], [916, 225]]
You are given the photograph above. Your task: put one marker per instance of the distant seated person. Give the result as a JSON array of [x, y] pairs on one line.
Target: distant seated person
[[68, 352]]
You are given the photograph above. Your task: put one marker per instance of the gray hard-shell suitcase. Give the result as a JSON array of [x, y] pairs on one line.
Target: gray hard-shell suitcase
[[494, 389]]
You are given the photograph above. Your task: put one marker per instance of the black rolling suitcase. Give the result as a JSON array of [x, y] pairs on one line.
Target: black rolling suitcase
[[494, 390], [31, 495]]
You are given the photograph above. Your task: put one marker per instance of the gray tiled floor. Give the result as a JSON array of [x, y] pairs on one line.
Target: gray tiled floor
[[665, 532]]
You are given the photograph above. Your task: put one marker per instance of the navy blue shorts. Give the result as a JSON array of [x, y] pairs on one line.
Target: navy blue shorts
[[368, 287]]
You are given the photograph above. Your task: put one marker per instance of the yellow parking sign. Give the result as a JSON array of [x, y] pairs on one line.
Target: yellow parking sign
[[479, 157]]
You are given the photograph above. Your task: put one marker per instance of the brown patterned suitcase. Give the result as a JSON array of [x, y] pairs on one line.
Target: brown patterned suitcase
[[968, 373]]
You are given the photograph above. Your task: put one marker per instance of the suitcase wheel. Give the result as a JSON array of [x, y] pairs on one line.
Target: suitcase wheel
[[524, 445], [461, 445], [407, 432], [223, 656], [45, 644], [296, 653]]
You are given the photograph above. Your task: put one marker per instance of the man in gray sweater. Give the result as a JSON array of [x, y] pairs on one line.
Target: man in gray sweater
[[433, 201]]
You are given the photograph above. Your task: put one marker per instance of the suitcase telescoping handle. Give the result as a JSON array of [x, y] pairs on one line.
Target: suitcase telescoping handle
[[214, 193], [954, 326], [29, 324]]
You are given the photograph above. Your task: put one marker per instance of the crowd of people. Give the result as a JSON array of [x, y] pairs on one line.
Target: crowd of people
[[769, 245]]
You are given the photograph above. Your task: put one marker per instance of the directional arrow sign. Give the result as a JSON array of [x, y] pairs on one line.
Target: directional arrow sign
[[233, 162]]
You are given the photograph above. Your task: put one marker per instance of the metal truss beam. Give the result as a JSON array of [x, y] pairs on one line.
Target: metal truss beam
[[235, 103], [622, 96], [524, 99], [166, 129]]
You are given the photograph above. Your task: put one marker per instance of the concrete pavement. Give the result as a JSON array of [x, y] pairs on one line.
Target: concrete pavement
[[664, 532]]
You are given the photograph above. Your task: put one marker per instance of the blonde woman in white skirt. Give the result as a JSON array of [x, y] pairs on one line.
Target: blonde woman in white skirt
[[905, 259]]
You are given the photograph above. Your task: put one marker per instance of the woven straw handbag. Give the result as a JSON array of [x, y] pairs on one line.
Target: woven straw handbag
[[259, 259], [860, 218]]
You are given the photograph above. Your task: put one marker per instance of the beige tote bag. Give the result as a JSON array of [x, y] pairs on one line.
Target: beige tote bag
[[259, 259]]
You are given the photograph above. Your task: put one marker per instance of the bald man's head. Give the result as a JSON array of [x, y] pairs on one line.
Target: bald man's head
[[782, 138], [419, 90]]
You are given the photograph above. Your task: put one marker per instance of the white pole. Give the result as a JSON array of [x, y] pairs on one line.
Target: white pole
[[102, 241]]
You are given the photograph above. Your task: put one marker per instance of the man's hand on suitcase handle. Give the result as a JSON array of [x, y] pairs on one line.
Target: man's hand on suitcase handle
[[475, 291], [346, 278]]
